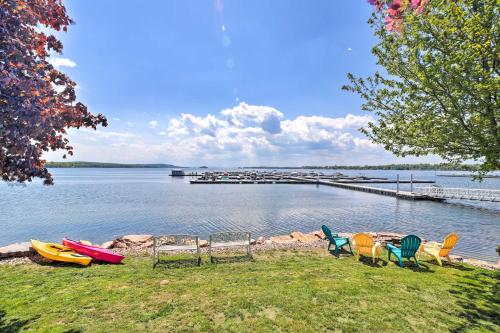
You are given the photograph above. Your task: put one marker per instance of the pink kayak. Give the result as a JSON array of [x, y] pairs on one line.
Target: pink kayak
[[95, 252]]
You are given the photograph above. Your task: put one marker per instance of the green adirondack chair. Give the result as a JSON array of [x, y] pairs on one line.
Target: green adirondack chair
[[409, 247], [334, 239]]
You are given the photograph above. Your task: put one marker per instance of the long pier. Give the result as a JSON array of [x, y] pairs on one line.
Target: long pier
[[478, 194], [382, 191], [335, 180], [355, 183]]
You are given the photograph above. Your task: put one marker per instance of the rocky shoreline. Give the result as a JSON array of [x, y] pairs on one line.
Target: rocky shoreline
[[141, 245]]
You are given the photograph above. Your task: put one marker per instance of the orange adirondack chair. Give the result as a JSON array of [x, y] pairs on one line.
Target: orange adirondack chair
[[365, 245], [438, 250]]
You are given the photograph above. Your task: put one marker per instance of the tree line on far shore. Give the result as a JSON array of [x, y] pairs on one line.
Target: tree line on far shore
[[418, 166], [104, 165]]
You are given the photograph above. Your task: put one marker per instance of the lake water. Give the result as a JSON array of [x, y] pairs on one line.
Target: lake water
[[102, 204]]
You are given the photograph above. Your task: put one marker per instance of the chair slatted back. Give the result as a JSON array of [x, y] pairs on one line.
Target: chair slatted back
[[449, 243], [328, 233], [363, 242], [410, 245]]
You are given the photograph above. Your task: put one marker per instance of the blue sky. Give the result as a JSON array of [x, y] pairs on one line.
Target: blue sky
[[223, 83]]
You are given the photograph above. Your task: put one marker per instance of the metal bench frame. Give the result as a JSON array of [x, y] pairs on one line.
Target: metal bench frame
[[229, 240], [175, 243]]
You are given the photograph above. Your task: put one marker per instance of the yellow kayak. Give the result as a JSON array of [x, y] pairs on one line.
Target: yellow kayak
[[58, 252]]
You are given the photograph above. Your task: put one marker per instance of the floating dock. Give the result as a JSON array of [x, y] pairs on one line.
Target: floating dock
[[382, 191], [335, 180]]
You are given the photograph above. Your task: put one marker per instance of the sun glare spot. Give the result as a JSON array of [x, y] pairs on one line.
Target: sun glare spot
[[230, 63], [226, 41], [219, 6]]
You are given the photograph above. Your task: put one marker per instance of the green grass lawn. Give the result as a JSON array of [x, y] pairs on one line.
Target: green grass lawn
[[293, 291]]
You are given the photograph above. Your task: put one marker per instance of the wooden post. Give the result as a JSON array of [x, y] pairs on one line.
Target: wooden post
[[397, 184], [411, 183]]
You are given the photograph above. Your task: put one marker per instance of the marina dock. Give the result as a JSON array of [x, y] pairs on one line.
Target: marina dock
[[335, 180], [382, 191]]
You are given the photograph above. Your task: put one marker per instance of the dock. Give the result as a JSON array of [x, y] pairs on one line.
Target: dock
[[335, 180], [393, 193]]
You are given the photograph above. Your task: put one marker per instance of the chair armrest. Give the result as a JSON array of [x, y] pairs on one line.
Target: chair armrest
[[390, 246]]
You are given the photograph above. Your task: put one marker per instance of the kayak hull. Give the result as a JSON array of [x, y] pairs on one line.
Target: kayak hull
[[95, 252], [59, 252]]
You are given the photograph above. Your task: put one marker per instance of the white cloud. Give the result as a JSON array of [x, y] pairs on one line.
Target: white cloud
[[242, 135], [260, 133], [61, 62], [153, 123], [105, 134]]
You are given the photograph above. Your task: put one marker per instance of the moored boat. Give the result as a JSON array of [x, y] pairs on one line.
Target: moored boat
[[93, 251], [59, 252]]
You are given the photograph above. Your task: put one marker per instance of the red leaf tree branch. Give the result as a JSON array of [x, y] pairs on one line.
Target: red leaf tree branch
[[395, 9], [37, 102]]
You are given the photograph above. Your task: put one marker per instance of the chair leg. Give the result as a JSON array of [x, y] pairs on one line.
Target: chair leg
[[350, 248], [440, 263], [449, 259], [400, 262], [416, 261]]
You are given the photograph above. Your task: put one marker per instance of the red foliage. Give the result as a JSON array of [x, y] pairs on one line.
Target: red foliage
[[37, 102], [395, 11]]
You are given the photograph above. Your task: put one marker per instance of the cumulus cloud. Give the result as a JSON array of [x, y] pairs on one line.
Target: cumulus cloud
[[242, 135], [259, 133], [61, 62], [267, 118]]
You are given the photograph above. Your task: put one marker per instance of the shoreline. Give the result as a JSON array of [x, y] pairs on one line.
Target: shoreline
[[142, 245]]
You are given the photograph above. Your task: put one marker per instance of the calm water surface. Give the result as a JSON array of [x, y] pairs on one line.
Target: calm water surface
[[102, 204]]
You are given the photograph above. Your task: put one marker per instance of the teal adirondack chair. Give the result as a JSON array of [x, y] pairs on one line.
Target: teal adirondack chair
[[409, 247], [334, 239]]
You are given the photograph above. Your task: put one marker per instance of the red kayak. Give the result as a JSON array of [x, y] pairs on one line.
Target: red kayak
[[95, 252]]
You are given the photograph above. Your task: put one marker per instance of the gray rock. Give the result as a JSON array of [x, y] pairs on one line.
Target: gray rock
[[107, 245], [133, 241], [16, 250]]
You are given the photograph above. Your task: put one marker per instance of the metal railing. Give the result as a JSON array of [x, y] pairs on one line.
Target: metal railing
[[460, 193]]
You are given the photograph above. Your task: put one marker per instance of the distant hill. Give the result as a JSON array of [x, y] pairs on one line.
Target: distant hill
[[105, 165]]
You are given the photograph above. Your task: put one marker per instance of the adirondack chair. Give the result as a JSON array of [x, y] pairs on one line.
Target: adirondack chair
[[438, 250], [334, 239], [365, 245], [409, 247]]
